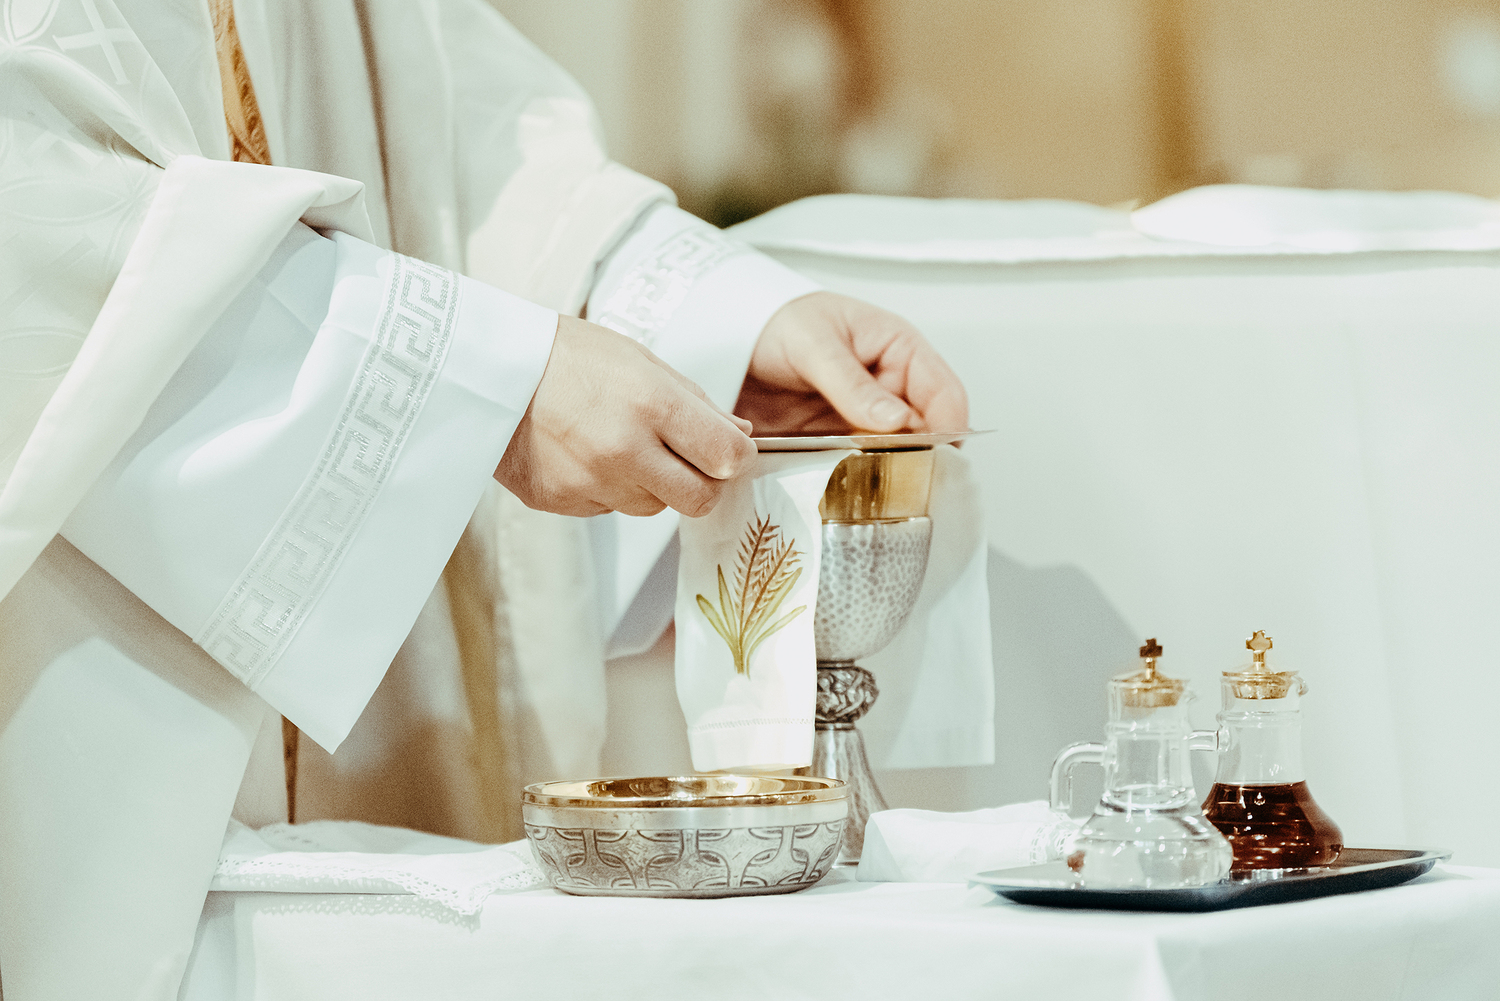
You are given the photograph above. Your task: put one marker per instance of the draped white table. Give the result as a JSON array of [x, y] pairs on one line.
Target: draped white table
[[1429, 940]]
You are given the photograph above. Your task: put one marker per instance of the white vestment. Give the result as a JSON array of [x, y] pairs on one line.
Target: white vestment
[[237, 451]]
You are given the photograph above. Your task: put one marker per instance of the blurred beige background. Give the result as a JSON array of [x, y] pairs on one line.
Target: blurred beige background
[[744, 104]]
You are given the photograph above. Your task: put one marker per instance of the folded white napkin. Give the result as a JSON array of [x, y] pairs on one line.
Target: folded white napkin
[[1246, 216], [925, 846], [339, 856]]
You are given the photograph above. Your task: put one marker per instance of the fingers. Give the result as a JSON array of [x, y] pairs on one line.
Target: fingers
[[935, 392], [705, 438], [611, 428], [646, 479], [832, 368], [874, 370], [671, 482], [653, 479], [679, 454], [697, 391]]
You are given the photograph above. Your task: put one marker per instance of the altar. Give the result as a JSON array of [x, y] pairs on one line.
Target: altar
[[1429, 940]]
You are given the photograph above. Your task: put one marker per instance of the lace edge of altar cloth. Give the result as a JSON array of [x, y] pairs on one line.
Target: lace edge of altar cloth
[[352, 857]]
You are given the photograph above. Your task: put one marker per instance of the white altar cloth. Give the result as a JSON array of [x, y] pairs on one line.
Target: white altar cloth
[[1429, 940]]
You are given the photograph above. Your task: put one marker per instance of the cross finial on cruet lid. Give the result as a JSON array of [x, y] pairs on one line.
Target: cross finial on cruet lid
[[1150, 651], [1260, 681], [1147, 688], [1258, 644]]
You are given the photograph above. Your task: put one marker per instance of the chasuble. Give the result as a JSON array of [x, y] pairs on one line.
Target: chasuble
[[249, 416]]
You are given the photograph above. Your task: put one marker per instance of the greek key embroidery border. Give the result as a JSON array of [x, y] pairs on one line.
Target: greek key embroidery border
[[651, 291], [274, 595]]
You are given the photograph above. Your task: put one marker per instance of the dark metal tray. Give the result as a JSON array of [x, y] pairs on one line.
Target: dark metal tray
[[1355, 869]]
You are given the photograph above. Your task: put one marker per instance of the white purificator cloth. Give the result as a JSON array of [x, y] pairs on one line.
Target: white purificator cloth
[[745, 657], [747, 588]]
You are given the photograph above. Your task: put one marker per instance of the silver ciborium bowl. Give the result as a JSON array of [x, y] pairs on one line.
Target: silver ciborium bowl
[[876, 538], [690, 836]]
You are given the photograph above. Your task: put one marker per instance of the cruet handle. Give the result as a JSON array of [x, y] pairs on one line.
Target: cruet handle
[[1062, 772], [1203, 740]]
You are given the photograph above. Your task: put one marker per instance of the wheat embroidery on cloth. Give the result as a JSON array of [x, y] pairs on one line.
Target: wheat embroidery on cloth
[[747, 596], [765, 572]]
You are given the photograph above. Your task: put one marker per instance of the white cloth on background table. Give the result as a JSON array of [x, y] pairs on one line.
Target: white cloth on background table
[[1226, 220], [343, 856], [925, 846], [1292, 220], [1429, 940]]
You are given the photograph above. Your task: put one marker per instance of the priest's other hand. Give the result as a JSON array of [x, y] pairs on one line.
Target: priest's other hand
[[611, 428], [828, 364]]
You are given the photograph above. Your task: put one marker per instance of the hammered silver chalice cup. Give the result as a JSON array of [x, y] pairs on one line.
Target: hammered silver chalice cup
[[876, 537]]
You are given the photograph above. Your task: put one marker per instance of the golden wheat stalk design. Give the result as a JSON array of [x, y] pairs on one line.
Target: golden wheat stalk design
[[765, 571]]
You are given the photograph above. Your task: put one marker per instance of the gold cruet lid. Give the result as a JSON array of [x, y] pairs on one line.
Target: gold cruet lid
[[1146, 688], [1260, 682]]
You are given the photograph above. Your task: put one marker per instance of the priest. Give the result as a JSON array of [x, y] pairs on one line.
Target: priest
[[298, 418]]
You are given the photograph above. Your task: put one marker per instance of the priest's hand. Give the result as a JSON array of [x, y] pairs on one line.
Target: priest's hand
[[611, 428], [829, 364]]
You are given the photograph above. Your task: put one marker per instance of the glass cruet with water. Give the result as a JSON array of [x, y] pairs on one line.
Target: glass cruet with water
[[1148, 829], [1260, 799]]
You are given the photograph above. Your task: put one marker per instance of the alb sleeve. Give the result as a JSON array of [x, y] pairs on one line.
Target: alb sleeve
[[294, 493]]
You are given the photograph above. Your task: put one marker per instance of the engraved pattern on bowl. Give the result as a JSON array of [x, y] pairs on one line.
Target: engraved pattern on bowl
[[870, 577], [686, 862], [694, 836]]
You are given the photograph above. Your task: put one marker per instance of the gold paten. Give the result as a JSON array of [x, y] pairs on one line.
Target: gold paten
[[879, 486], [1260, 682], [1146, 689]]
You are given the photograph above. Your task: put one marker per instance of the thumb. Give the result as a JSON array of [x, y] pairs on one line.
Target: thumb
[[853, 391]]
